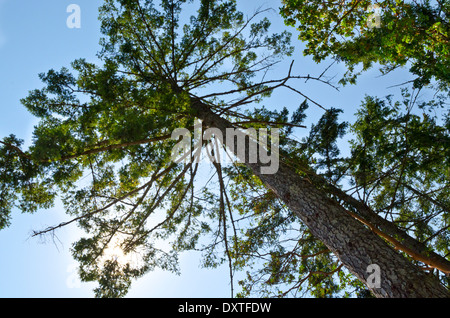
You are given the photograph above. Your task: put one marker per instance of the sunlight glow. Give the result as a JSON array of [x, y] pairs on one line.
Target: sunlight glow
[[115, 252]]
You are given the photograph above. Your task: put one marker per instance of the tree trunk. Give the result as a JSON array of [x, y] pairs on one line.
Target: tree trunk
[[352, 242], [386, 229]]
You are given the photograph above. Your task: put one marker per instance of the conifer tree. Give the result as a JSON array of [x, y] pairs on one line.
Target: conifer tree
[[113, 124]]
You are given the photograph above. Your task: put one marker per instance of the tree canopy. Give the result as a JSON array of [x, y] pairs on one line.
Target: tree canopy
[[406, 33], [161, 70]]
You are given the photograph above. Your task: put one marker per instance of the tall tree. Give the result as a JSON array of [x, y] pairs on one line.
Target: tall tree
[[113, 124]]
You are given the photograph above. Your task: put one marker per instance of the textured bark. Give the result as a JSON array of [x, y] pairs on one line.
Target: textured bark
[[400, 239], [352, 242]]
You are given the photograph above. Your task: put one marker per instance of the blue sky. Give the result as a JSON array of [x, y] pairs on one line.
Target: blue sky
[[34, 38]]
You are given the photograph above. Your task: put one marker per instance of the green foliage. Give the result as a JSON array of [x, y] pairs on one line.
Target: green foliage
[[322, 140], [400, 163], [413, 34], [21, 184]]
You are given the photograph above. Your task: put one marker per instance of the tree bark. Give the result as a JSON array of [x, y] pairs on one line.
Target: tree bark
[[352, 242], [400, 239]]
